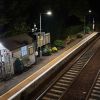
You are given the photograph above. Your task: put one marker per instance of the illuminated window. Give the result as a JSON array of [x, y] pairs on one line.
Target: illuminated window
[[24, 51]]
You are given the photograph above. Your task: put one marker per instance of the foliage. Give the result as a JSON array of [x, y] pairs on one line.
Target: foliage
[[54, 49], [18, 66], [87, 29], [47, 51], [79, 35], [74, 29], [70, 38], [59, 44], [78, 8], [18, 28], [18, 11]]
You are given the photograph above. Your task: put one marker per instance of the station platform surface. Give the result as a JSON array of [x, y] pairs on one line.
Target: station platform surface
[[15, 84]]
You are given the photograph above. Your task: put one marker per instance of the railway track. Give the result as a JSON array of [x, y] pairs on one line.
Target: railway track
[[57, 89], [94, 93]]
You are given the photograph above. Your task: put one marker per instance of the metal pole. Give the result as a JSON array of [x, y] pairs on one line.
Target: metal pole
[[90, 16], [40, 23], [93, 24], [84, 24], [40, 37]]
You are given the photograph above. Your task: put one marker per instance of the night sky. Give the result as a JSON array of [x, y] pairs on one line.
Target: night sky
[[65, 13], [94, 5]]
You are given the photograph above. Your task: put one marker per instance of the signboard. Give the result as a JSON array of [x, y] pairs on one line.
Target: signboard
[[43, 39]]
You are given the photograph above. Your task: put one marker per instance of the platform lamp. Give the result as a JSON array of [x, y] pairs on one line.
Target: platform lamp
[[49, 13], [34, 29], [93, 21]]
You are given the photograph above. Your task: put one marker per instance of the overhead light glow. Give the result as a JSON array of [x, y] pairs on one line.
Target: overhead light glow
[[49, 13], [1, 46], [90, 11]]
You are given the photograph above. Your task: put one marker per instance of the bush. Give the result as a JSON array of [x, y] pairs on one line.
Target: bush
[[87, 29], [18, 66], [54, 49], [79, 35], [70, 39], [74, 29], [59, 44], [47, 51]]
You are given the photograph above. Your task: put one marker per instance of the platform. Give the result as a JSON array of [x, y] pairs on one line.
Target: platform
[[13, 92]]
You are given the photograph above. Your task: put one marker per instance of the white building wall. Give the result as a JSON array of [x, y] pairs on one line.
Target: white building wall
[[7, 61], [31, 57], [9, 58], [9, 64], [16, 53]]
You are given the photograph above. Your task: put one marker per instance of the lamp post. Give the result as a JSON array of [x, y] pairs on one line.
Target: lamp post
[[49, 13], [93, 26], [84, 24], [34, 29], [93, 21], [90, 11]]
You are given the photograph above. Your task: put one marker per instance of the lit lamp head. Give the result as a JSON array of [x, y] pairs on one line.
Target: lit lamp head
[[49, 13], [90, 11], [35, 28], [34, 25]]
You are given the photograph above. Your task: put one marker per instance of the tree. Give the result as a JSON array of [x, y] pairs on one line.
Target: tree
[[17, 12]]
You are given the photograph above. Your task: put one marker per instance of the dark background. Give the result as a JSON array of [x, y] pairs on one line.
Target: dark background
[[19, 16]]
